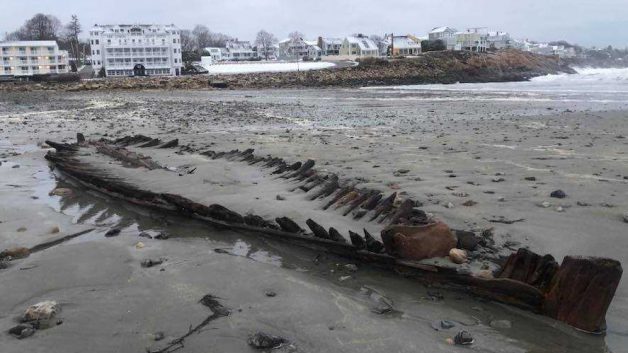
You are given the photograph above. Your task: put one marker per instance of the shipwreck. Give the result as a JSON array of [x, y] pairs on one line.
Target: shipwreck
[[240, 190]]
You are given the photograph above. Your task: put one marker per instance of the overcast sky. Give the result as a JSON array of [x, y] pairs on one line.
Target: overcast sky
[[587, 22]]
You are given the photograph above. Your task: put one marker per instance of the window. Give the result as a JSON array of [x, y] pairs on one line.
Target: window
[[92, 42], [97, 42], [98, 52]]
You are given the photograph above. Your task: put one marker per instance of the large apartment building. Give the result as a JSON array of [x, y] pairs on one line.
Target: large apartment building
[[28, 58], [136, 50]]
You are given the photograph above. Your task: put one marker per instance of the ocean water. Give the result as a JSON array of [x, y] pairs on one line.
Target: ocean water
[[588, 84]]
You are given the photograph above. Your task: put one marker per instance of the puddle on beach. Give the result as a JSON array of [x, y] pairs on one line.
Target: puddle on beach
[[411, 300]]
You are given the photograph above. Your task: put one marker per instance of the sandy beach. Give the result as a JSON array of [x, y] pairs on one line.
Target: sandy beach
[[504, 149]]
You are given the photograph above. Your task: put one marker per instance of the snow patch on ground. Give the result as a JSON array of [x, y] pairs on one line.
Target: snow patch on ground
[[266, 67]]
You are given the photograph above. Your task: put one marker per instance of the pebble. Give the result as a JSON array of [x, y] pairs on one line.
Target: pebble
[[351, 267], [458, 256], [261, 340], [501, 324], [280, 198], [559, 194], [626, 217], [560, 209], [463, 338], [112, 232], [469, 203], [449, 205], [270, 293], [545, 204]]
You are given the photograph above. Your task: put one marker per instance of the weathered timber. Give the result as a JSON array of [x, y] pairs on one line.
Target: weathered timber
[[336, 236], [318, 230], [528, 267], [170, 144], [357, 240], [328, 189], [151, 143], [288, 225], [404, 211], [364, 195], [372, 244], [62, 146], [582, 290], [384, 206], [340, 194]]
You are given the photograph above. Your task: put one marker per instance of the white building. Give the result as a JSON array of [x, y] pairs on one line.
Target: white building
[[299, 49], [359, 46], [240, 50], [126, 50], [499, 40], [28, 58], [404, 45], [217, 54], [329, 46], [445, 34]]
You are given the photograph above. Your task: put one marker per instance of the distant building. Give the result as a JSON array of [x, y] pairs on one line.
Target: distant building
[[28, 58], [499, 40], [299, 49], [359, 46], [238, 50], [546, 49], [445, 34], [217, 54], [329, 46], [473, 39], [125, 50], [404, 45]]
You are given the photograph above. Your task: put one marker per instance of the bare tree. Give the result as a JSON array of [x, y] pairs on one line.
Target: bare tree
[[264, 41], [73, 29], [382, 46], [187, 41], [201, 36], [295, 37], [40, 27]]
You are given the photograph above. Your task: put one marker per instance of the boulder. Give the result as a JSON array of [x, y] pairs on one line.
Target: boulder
[[419, 242], [466, 240], [582, 290], [41, 311], [262, 340]]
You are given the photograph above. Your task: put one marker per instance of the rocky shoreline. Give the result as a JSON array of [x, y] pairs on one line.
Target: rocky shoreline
[[432, 67]]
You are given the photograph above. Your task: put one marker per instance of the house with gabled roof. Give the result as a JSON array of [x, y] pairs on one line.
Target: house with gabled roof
[[445, 34], [359, 46]]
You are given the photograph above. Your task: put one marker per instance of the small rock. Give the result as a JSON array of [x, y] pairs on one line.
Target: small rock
[[560, 209], [139, 245], [41, 311], [344, 278], [280, 198], [158, 336], [112, 232], [501, 324], [351, 267], [151, 262], [463, 338], [16, 166], [54, 230], [21, 229], [583, 204], [261, 340], [545, 204], [458, 256], [145, 235], [559, 194], [626, 217], [15, 253], [469, 203], [61, 192], [270, 293], [501, 199], [161, 236], [498, 180], [22, 331], [530, 178], [449, 205]]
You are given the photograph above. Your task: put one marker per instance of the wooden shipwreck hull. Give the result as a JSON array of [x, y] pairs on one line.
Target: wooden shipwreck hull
[[577, 292]]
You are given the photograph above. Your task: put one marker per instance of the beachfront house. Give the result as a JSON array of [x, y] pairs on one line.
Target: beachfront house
[[403, 45], [239, 50], [359, 46], [499, 40], [299, 49], [445, 34], [33, 57], [473, 39], [216, 54], [329, 46]]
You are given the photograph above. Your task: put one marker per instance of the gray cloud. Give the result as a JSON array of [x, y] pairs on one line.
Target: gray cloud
[[587, 22]]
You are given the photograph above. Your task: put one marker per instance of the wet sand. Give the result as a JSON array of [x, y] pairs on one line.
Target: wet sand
[[453, 147]]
